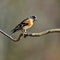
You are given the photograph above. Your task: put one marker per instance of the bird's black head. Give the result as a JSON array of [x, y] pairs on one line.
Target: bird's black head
[[33, 17]]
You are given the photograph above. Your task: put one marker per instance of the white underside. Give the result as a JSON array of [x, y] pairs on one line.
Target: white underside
[[26, 27]]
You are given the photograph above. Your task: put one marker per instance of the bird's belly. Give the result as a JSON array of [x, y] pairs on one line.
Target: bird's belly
[[30, 23], [26, 27]]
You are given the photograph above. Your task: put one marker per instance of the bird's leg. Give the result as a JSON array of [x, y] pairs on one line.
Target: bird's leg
[[24, 34], [25, 30]]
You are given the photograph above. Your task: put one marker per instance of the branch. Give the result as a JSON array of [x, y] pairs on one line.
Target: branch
[[42, 33], [30, 34], [15, 40]]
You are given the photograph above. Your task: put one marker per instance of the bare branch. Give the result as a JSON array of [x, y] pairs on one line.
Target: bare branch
[[15, 40], [30, 34], [42, 33]]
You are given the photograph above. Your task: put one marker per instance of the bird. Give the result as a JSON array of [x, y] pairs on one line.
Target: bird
[[25, 24]]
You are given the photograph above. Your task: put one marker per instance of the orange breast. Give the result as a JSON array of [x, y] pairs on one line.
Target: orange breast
[[30, 22]]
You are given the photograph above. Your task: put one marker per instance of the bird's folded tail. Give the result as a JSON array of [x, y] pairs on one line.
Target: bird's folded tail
[[13, 31]]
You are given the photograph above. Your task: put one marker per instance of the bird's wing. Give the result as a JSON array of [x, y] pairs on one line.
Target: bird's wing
[[19, 26], [23, 23], [16, 28]]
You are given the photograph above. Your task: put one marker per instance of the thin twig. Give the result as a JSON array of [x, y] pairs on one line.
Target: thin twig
[[15, 40], [30, 34]]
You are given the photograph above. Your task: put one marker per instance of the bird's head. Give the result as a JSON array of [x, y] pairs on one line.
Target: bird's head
[[33, 17]]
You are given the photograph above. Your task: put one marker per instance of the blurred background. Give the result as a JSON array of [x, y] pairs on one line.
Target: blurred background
[[38, 48]]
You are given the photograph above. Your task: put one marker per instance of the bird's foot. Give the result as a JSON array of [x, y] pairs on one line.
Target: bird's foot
[[25, 33]]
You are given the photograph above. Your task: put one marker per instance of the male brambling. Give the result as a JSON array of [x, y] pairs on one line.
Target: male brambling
[[25, 24]]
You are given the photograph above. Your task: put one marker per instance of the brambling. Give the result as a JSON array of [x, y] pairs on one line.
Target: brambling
[[25, 24]]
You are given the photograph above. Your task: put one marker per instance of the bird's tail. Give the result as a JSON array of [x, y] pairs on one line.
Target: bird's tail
[[13, 31]]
